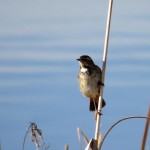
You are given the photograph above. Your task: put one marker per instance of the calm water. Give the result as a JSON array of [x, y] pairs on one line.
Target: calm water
[[39, 43]]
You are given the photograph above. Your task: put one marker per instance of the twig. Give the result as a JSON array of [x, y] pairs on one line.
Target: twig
[[36, 135], [104, 67], [132, 117], [79, 131], [145, 131], [28, 130], [66, 147]]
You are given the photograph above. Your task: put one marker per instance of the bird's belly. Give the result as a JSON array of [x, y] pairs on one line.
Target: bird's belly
[[89, 88]]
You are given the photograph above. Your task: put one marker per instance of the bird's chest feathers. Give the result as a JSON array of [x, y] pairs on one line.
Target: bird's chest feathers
[[88, 83], [86, 78], [85, 72]]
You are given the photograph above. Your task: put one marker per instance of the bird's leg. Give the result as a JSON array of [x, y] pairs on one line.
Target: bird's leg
[[99, 112], [94, 104]]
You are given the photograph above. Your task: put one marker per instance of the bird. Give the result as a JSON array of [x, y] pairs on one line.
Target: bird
[[89, 80]]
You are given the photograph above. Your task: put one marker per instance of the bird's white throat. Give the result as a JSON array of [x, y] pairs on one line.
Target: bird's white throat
[[83, 70]]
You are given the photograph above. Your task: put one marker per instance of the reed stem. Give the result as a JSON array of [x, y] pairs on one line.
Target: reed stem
[[104, 67], [146, 131]]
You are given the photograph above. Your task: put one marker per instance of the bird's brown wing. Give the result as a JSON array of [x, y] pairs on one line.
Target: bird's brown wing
[[99, 71]]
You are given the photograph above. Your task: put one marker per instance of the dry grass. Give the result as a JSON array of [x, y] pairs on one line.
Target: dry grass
[[36, 137]]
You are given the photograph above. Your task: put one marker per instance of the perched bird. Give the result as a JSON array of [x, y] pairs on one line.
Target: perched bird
[[89, 79]]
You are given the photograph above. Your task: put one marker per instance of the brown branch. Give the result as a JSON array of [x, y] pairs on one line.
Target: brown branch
[[145, 131], [132, 117]]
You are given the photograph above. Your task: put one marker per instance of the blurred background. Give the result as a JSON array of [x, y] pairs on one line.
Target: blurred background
[[40, 41]]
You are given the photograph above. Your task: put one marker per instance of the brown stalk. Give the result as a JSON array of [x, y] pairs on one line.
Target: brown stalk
[[36, 135], [146, 131], [116, 123]]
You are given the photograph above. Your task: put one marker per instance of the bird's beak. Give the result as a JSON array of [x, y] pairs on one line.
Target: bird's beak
[[78, 59]]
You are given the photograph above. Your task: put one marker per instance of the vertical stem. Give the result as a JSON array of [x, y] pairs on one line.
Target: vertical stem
[[145, 131], [66, 147], [104, 67]]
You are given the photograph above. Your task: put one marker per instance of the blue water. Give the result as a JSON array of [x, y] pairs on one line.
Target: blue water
[[39, 44]]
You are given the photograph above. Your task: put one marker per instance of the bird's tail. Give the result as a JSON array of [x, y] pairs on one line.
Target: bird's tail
[[93, 105]]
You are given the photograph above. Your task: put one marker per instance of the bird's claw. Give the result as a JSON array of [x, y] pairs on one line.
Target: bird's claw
[[99, 112], [102, 84]]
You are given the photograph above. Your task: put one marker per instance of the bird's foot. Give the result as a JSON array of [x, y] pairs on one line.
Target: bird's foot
[[100, 83], [99, 112]]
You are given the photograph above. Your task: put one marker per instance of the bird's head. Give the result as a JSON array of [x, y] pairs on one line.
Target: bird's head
[[85, 61]]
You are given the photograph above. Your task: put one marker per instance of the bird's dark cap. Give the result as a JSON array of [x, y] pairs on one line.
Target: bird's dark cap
[[83, 57]]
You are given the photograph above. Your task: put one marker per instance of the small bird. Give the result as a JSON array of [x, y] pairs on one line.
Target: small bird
[[89, 79]]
